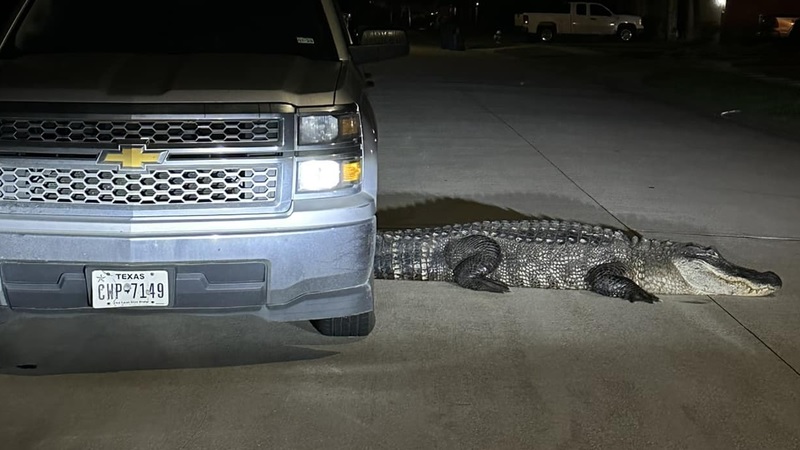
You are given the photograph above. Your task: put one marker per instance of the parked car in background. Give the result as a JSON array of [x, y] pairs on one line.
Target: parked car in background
[[548, 19], [171, 157], [772, 26]]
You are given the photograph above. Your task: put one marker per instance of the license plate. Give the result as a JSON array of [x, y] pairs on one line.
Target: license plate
[[129, 288]]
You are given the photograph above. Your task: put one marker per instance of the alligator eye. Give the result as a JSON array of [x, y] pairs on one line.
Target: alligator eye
[[699, 251], [696, 249]]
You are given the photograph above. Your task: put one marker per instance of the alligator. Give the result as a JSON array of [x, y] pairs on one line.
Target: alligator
[[496, 255]]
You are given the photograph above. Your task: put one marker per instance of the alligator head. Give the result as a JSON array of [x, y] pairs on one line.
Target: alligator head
[[705, 270]]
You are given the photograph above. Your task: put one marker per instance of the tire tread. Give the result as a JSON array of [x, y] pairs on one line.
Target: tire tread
[[357, 325]]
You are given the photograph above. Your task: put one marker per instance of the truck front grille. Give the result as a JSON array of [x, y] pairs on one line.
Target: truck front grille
[[153, 187], [261, 131]]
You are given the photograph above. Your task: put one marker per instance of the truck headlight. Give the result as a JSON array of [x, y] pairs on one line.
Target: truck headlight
[[328, 128], [319, 175]]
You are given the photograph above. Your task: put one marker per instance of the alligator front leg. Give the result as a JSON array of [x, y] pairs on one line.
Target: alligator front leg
[[610, 280], [474, 259]]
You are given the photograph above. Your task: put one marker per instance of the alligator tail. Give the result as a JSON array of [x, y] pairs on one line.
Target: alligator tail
[[404, 255]]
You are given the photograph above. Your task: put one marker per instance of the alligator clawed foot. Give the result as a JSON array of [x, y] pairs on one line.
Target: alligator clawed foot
[[643, 296], [485, 284], [610, 279], [496, 286]]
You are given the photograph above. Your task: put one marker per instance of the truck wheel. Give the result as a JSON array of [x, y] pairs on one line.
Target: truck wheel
[[626, 34], [352, 326], [546, 34]]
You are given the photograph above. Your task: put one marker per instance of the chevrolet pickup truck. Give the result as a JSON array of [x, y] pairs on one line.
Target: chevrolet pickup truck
[[548, 19], [176, 156]]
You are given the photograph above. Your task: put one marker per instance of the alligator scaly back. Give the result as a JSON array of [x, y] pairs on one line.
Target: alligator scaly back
[[528, 246], [559, 255]]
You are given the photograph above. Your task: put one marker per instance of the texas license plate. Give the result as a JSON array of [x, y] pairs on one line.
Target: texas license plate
[[129, 288]]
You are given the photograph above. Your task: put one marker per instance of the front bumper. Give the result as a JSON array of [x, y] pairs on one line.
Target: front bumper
[[281, 274]]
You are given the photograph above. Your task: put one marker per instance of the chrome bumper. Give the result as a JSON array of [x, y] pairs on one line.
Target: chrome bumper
[[284, 273]]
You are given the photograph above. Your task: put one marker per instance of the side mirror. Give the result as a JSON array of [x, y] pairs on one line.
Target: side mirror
[[377, 45]]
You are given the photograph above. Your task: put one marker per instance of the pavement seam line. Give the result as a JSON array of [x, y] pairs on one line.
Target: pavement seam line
[[725, 235], [531, 145], [791, 367]]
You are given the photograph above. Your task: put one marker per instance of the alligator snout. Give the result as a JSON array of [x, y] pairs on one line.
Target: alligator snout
[[772, 278], [762, 282], [759, 278]]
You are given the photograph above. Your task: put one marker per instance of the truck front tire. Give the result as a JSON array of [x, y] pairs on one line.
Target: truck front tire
[[626, 33], [350, 326]]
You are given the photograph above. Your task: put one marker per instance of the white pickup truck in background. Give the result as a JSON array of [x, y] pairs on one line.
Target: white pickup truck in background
[[546, 20]]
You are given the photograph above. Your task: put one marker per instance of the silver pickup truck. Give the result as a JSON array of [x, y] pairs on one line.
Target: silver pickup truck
[[549, 18], [189, 156]]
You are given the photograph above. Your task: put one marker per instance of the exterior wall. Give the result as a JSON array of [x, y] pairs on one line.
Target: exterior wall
[[681, 19], [709, 19]]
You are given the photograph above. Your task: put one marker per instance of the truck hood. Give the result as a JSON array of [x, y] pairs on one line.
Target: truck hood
[[107, 78]]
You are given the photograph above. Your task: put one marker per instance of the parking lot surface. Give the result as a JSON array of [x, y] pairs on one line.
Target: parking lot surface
[[472, 136]]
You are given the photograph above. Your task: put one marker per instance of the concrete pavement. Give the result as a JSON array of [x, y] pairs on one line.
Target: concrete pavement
[[468, 136], [753, 86]]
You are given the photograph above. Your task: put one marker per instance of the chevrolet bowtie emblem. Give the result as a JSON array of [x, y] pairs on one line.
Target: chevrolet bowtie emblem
[[131, 157]]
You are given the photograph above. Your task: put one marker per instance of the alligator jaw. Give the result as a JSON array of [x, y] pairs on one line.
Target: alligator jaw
[[723, 278]]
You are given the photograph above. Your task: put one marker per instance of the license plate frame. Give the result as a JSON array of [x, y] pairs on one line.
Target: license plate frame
[[137, 278]]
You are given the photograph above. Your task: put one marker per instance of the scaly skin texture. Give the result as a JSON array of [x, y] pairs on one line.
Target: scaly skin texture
[[562, 255]]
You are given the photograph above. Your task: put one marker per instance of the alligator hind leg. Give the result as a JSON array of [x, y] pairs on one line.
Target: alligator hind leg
[[610, 280], [473, 259]]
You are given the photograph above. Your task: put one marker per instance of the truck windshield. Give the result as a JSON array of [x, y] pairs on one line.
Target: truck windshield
[[297, 27]]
